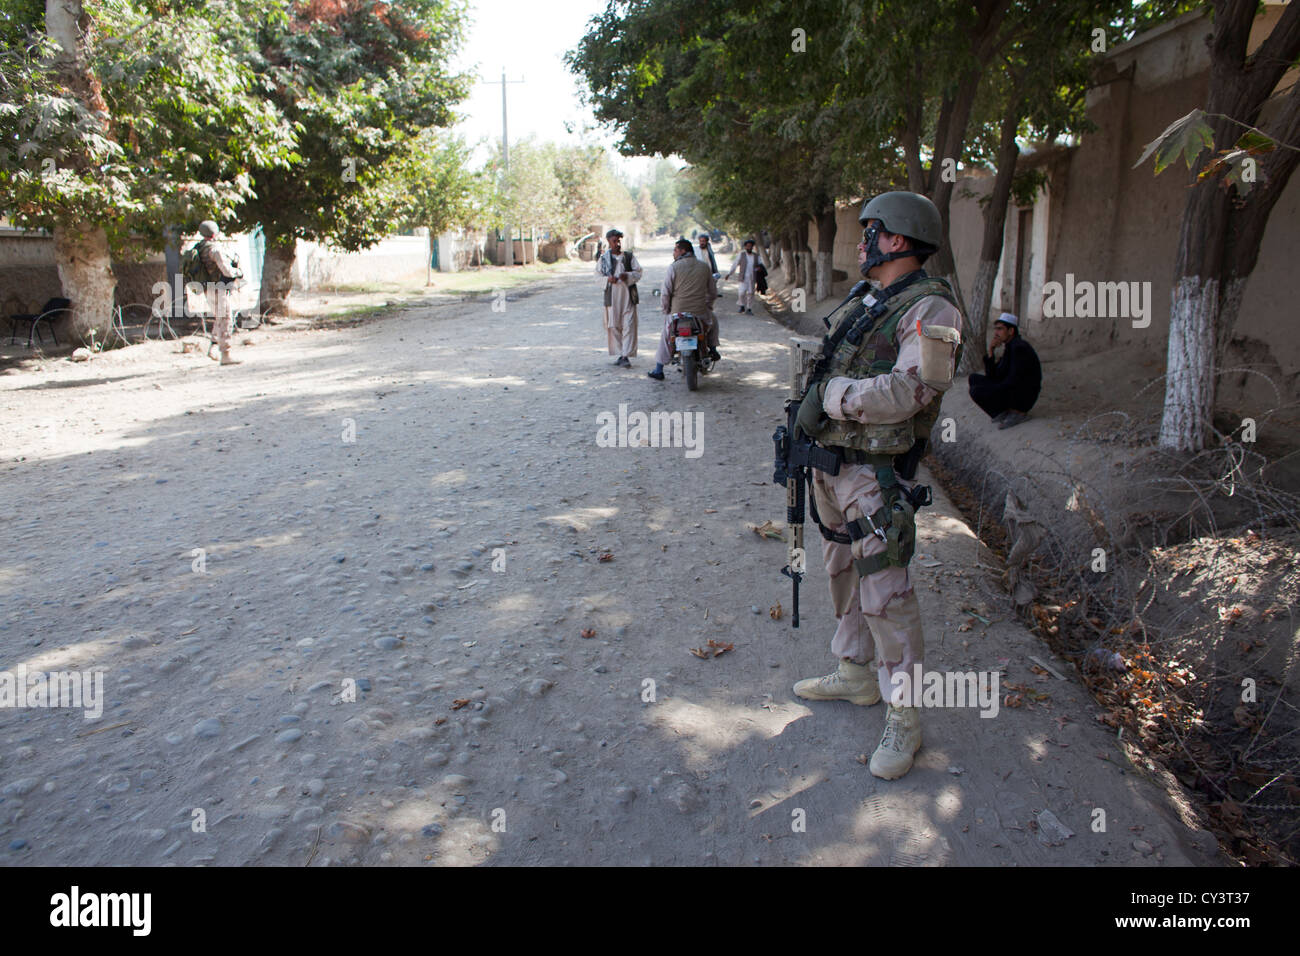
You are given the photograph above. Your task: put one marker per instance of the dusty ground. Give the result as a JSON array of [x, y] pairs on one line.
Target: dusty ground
[[371, 561]]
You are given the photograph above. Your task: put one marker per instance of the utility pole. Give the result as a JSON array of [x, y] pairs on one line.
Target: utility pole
[[505, 155]]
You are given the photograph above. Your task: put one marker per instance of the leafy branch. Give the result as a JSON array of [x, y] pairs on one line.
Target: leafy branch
[[1192, 134]]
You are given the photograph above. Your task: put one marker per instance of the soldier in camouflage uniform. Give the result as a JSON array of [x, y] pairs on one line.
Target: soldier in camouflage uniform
[[871, 406], [221, 278]]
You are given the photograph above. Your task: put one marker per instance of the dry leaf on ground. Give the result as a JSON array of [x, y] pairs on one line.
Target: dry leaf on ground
[[712, 649]]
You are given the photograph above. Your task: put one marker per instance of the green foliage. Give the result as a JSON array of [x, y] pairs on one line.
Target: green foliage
[[1025, 186], [1191, 135], [764, 125], [1187, 136], [675, 195], [18, 19], [1136, 18], [590, 191], [562, 190], [780, 124], [646, 211], [430, 184], [529, 193], [357, 81], [663, 187], [185, 119]]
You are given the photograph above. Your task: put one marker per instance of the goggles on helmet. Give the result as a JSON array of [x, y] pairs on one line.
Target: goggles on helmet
[[871, 240]]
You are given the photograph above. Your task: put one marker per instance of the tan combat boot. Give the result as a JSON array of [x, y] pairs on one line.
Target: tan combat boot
[[855, 683], [901, 740]]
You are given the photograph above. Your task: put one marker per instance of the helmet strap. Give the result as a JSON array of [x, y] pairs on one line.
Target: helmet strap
[[871, 239]]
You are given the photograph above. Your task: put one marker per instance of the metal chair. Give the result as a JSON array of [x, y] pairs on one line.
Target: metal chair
[[52, 309]]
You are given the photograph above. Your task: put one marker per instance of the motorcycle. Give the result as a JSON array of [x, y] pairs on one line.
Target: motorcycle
[[692, 354]]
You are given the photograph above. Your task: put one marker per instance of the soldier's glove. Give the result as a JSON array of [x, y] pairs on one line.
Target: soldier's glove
[[811, 415]]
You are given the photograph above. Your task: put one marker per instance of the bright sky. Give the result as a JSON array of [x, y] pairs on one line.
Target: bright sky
[[528, 38]]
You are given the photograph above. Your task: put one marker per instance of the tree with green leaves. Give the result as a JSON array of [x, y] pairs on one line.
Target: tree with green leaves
[[1256, 130], [431, 184], [1036, 93], [357, 81], [589, 191], [921, 82], [646, 212], [118, 118], [529, 195], [662, 185], [728, 90], [675, 194]]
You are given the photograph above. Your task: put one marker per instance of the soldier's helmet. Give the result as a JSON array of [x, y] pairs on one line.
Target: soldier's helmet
[[906, 214]]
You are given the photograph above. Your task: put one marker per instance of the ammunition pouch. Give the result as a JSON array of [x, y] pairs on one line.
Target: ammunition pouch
[[905, 465], [900, 540], [894, 523], [867, 440]]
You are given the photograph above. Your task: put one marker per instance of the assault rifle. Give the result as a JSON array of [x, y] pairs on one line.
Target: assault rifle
[[796, 453]]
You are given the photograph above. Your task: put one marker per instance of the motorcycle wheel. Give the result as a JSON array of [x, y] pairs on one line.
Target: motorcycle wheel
[[692, 367]]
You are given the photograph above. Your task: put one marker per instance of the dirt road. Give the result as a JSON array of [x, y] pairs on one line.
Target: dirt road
[[418, 514]]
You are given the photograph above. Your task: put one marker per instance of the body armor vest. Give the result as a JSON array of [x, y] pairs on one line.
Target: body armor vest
[[873, 353]]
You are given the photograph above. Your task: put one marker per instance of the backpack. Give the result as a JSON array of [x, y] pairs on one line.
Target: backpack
[[192, 267]]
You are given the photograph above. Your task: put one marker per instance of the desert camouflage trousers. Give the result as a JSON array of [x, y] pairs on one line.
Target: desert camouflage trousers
[[879, 619]]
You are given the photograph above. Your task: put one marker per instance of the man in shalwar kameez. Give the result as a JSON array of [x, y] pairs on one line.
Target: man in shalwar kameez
[[745, 264], [619, 273]]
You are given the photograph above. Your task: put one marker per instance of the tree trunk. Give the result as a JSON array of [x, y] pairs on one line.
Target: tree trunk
[[910, 139], [74, 31], [825, 252], [1218, 242], [977, 344], [277, 275], [1189, 373], [764, 254], [1194, 316], [995, 218], [806, 276], [986, 38], [789, 259], [81, 251], [172, 256], [1250, 220], [86, 275], [941, 264]]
